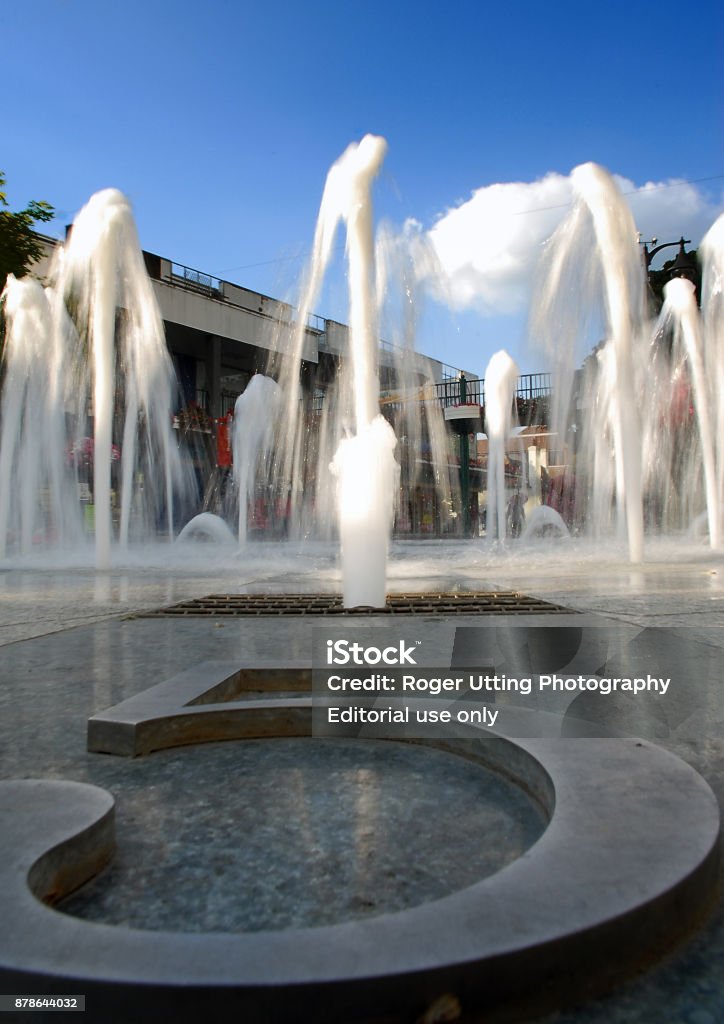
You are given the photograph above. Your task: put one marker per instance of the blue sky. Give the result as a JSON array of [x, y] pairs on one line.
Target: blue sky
[[220, 121]]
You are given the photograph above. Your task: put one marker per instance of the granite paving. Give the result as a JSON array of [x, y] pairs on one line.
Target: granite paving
[[72, 645]]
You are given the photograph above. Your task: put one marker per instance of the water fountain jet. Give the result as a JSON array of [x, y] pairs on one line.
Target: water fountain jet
[[364, 462], [626, 422], [101, 307], [680, 305], [93, 346], [500, 380], [254, 415]]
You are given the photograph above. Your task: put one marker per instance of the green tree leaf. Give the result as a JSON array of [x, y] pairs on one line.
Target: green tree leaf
[[19, 244]]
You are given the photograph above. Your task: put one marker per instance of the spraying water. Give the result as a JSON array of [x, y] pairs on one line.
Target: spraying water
[[712, 304], [254, 417], [364, 463], [500, 380], [367, 471], [360, 442], [346, 198], [103, 274], [207, 527], [615, 235], [32, 455], [89, 388], [545, 522], [88, 377], [405, 260], [643, 421], [680, 305], [593, 256]]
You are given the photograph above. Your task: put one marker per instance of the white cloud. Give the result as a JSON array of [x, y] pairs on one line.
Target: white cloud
[[488, 247], [666, 210]]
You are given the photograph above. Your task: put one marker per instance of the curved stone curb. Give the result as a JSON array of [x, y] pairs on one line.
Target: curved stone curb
[[198, 706], [627, 861]]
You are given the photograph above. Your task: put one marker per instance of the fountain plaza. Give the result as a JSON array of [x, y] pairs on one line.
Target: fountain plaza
[[562, 866]]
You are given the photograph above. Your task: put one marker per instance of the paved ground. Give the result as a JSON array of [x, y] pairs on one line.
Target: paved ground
[[72, 646]]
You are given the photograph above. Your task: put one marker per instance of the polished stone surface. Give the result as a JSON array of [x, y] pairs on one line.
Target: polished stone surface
[[294, 833], [68, 653]]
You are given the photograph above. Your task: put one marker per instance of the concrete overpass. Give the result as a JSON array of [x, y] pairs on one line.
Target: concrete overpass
[[219, 334]]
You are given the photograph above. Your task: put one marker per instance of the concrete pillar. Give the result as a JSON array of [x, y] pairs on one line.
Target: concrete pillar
[[308, 380], [213, 375]]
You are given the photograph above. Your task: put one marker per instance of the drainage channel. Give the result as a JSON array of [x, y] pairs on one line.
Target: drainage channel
[[441, 603]]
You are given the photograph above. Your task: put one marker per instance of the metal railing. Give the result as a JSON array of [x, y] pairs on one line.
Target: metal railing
[[533, 385], [317, 323], [530, 386], [228, 401], [448, 392], [197, 281]]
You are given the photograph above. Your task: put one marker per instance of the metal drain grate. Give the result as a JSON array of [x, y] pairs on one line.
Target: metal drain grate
[[477, 603]]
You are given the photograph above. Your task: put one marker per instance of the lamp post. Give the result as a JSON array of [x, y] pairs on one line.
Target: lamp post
[[464, 419], [650, 253], [684, 265]]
